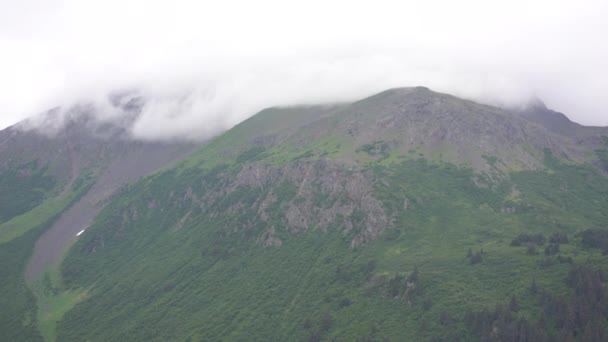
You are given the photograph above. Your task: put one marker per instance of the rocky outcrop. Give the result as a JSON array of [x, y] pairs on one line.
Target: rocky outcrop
[[269, 239], [328, 195]]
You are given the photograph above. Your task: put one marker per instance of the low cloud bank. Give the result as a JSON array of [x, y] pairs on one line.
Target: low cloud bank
[[203, 67]]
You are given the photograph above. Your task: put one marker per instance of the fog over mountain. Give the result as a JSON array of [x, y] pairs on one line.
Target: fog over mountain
[[201, 73], [303, 170]]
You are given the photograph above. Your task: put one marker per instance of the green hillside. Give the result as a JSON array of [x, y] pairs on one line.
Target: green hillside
[[50, 187], [409, 215], [18, 235]]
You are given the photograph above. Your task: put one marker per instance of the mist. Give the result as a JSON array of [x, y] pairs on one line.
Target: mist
[[205, 66]]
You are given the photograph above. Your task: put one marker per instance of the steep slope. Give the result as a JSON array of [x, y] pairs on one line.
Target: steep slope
[[414, 121], [557, 122], [53, 184], [388, 218], [134, 161]]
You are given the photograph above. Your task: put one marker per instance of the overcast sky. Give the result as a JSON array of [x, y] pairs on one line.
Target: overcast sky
[[208, 65]]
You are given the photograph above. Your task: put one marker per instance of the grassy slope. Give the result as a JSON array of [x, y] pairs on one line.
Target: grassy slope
[[143, 276], [148, 280], [53, 300], [18, 314], [19, 225], [29, 201], [22, 188], [18, 317]]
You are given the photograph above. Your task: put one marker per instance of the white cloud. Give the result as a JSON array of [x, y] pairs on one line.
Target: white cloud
[[207, 65]]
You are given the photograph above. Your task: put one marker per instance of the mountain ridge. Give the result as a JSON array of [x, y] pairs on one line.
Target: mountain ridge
[[488, 130], [345, 221], [343, 226]]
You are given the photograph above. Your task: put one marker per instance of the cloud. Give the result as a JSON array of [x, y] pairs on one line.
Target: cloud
[[205, 66]]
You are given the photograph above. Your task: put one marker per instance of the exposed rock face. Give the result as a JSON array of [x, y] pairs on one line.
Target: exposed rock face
[[268, 238], [329, 195], [276, 201], [462, 131]]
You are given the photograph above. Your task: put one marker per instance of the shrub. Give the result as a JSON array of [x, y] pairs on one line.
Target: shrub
[[558, 238], [552, 249], [537, 239]]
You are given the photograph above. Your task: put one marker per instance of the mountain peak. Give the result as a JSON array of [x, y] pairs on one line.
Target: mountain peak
[[401, 92], [536, 103], [306, 212], [103, 120]]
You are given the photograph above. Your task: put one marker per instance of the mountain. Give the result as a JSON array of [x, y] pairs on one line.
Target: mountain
[[407, 215], [55, 178]]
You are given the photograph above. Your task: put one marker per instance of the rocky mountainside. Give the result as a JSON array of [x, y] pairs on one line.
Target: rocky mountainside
[[559, 123], [414, 122], [408, 215]]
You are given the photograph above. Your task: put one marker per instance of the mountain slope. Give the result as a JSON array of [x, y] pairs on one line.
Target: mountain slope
[[387, 218], [53, 185], [414, 121]]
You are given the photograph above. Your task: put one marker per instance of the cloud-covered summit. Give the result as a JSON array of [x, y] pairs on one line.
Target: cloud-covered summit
[[205, 66]]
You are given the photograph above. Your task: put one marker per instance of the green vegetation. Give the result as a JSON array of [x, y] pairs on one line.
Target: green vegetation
[[602, 155], [20, 316], [31, 199], [53, 303], [579, 316], [18, 225], [22, 188], [377, 149], [312, 224], [53, 300], [27, 213], [211, 279]]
